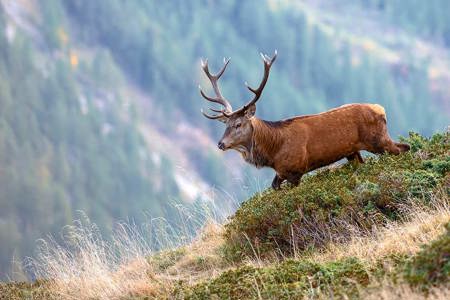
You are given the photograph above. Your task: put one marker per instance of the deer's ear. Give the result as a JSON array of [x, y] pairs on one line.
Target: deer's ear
[[250, 112]]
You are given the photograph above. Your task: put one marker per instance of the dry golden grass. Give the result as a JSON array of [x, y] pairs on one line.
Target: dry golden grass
[[419, 226], [87, 267], [199, 260]]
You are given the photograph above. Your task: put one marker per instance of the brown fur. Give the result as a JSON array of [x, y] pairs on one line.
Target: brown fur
[[298, 145]]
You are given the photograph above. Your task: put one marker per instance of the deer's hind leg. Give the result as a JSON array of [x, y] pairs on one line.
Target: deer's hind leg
[[356, 156]]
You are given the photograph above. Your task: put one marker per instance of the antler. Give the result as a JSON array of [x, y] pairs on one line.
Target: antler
[[227, 110], [267, 64]]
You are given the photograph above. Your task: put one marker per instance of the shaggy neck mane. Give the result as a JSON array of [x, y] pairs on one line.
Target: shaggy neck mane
[[266, 142]]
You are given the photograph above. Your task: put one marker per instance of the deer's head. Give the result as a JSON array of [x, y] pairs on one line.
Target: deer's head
[[239, 130]]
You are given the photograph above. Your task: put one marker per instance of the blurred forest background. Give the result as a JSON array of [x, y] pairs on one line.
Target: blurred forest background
[[99, 105]]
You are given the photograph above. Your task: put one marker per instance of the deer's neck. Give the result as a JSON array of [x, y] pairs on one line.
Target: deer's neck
[[264, 145]]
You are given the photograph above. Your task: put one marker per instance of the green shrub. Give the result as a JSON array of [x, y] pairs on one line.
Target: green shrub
[[415, 141], [25, 290], [324, 203], [438, 166], [368, 192], [421, 182], [165, 259], [288, 280]]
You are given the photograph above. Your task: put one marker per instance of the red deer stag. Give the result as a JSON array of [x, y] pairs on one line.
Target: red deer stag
[[295, 146]]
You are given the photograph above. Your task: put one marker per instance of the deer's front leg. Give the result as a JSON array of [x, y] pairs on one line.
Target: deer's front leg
[[355, 157], [276, 182], [294, 178]]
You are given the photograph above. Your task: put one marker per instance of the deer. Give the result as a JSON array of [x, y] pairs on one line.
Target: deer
[[300, 144]]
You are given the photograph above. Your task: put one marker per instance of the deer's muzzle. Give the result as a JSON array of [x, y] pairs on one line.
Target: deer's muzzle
[[221, 146]]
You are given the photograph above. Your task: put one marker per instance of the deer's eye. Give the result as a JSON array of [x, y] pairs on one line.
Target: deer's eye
[[238, 125]]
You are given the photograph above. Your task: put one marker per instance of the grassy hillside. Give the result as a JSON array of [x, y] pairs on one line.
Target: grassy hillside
[[332, 206], [380, 230], [321, 208], [100, 106]]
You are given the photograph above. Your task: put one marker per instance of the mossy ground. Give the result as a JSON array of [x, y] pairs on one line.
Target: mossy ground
[[292, 279]]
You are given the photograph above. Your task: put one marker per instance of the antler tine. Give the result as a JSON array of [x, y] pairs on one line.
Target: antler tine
[[212, 117], [222, 111], [216, 110], [225, 64], [213, 78], [258, 91], [267, 64]]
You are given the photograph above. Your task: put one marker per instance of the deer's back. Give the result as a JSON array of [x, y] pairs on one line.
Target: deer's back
[[316, 140]]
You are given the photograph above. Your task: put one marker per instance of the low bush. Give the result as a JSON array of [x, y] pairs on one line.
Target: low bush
[[25, 290], [166, 259]]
